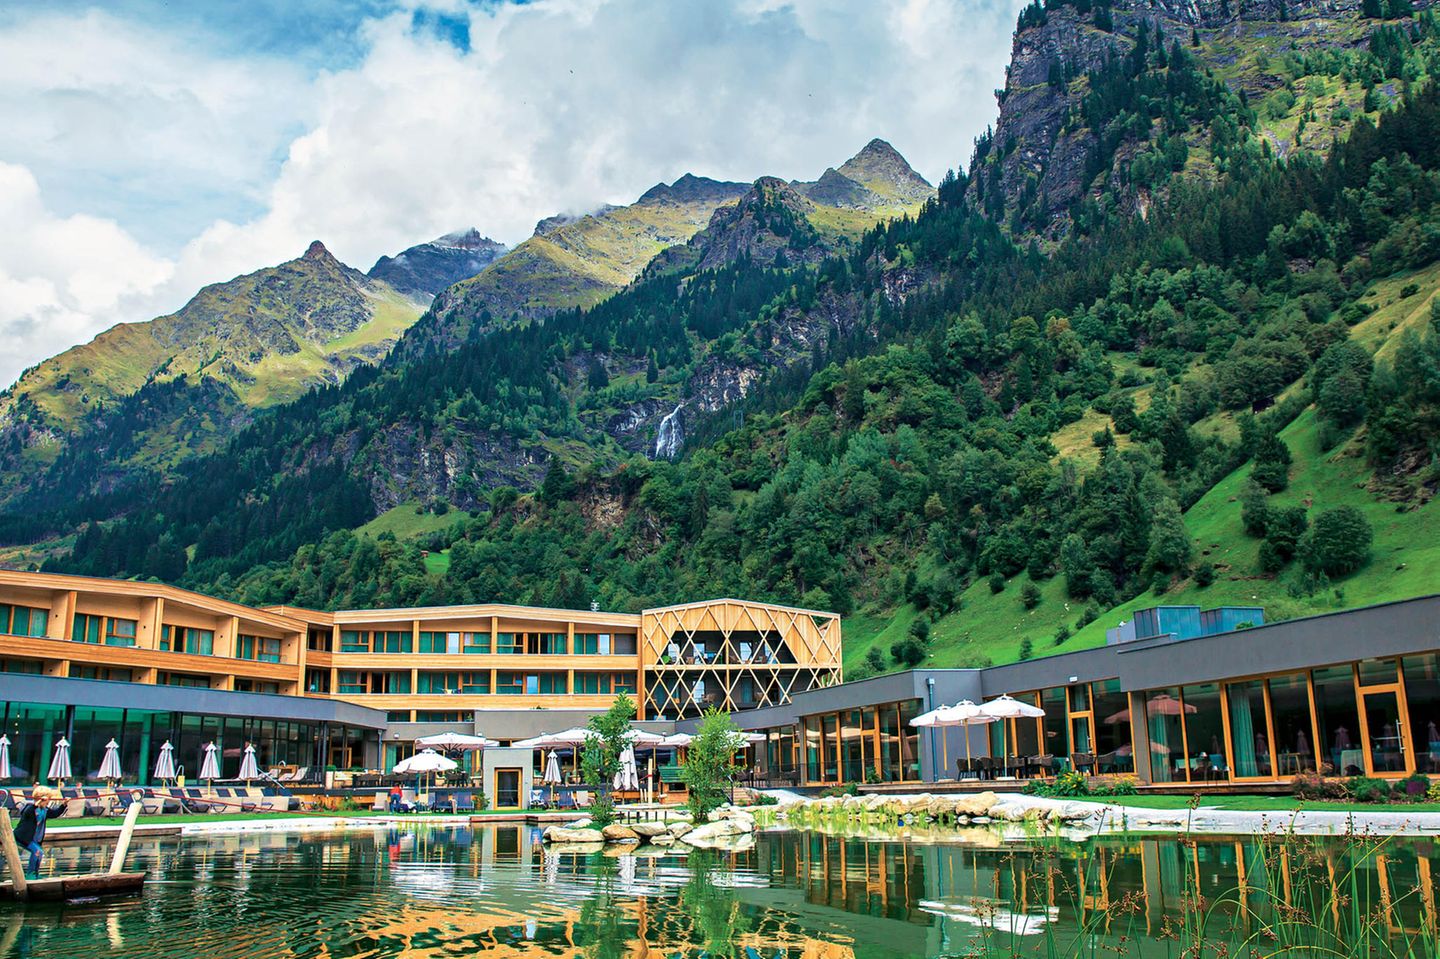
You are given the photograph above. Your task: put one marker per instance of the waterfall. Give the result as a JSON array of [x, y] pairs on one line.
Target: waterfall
[[671, 435]]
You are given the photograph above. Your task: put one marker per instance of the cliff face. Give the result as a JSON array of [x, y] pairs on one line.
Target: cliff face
[[1040, 159]]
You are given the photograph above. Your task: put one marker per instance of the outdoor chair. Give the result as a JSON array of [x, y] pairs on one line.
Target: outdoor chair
[[565, 799], [985, 768], [1083, 762], [382, 802], [537, 799], [1045, 764], [93, 804], [463, 801], [409, 802]]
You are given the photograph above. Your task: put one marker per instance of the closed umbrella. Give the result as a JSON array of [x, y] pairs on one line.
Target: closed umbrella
[[4, 757], [628, 776], [1004, 707], [60, 764], [165, 765], [210, 764], [552, 774], [249, 768], [110, 765]]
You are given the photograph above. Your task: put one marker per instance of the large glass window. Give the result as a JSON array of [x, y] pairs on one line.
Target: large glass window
[[475, 643], [1249, 729], [114, 674], [1290, 715], [33, 730], [1023, 732], [909, 741], [1205, 732], [548, 644], [1422, 694], [1338, 720], [812, 749], [852, 748], [392, 641], [120, 632], [354, 641], [509, 683], [260, 649], [1163, 710], [187, 639], [509, 644], [23, 620], [1057, 739], [87, 628], [830, 735], [1114, 749]]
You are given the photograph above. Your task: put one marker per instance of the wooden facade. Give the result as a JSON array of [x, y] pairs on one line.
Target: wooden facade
[[428, 664], [731, 654]]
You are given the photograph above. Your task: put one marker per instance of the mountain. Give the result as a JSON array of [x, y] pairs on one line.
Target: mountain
[[423, 271], [982, 432], [575, 261], [148, 395]]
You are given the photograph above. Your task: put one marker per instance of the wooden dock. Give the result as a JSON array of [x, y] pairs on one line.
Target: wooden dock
[[88, 886]]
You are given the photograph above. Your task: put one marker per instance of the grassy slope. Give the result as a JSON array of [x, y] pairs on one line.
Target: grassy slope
[[1405, 555], [405, 523]]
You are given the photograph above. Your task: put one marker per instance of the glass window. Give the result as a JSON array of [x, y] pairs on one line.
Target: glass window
[[812, 749], [909, 740], [398, 715], [120, 632], [1249, 729], [432, 643], [549, 643], [553, 683], [262, 649], [1205, 732], [1338, 721], [852, 751], [1114, 748], [114, 674], [1422, 694], [1290, 718], [1080, 698], [1376, 672], [509, 683], [164, 678], [624, 683], [24, 620], [1167, 743], [187, 639], [33, 730], [87, 628], [351, 681], [1057, 739], [508, 644], [592, 682], [623, 644], [392, 641], [354, 641], [587, 644], [476, 643]]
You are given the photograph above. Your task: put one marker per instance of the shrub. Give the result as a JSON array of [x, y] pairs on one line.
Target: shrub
[[1030, 595], [765, 799], [1120, 786], [1413, 788], [875, 659], [1367, 789], [1027, 648], [1337, 543], [1204, 574], [833, 792], [1316, 786], [997, 582], [1062, 634]]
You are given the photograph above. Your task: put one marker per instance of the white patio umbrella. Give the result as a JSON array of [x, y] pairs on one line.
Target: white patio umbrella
[[963, 714], [210, 764], [4, 757], [60, 764], [458, 741], [678, 740], [110, 765], [1003, 707], [249, 768], [424, 763], [628, 776], [165, 765]]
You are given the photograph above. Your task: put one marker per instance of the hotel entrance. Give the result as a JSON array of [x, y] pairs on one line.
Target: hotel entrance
[[507, 788]]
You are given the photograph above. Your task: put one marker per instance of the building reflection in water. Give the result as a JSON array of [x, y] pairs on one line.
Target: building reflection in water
[[433, 891]]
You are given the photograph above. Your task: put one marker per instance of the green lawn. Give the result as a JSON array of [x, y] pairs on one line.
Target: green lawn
[[1260, 804]]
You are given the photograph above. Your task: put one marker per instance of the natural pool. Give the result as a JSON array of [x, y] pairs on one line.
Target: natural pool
[[495, 890]]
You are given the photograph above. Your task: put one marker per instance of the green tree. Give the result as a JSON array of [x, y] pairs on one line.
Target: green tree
[[556, 485], [1030, 596], [1272, 462], [1338, 542], [1254, 509], [710, 763], [1170, 543], [875, 659], [600, 758]]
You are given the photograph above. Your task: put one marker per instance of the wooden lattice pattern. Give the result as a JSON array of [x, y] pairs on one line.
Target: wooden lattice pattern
[[791, 648]]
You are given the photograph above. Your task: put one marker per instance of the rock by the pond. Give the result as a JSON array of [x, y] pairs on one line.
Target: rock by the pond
[[711, 832], [567, 835], [584, 822], [649, 830], [618, 833], [701, 838], [976, 804], [980, 820], [678, 829], [663, 839]]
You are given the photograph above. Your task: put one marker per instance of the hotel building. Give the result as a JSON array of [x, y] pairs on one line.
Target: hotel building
[[94, 658], [1178, 695]]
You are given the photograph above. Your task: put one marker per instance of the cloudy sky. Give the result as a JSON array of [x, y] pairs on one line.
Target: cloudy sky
[[151, 146]]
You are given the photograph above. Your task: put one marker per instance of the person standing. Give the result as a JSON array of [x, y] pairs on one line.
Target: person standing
[[30, 832]]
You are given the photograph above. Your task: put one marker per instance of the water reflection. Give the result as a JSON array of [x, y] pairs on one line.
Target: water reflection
[[436, 891]]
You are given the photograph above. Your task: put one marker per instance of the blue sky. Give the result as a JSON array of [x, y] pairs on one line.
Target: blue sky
[[152, 147]]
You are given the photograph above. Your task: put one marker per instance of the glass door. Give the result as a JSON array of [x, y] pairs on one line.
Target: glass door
[[1386, 751], [507, 789]]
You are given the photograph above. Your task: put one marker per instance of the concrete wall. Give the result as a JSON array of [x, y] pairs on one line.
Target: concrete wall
[[508, 758]]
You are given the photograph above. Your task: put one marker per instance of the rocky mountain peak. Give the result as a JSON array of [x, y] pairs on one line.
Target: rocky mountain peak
[[316, 251], [880, 168], [471, 239], [693, 189]]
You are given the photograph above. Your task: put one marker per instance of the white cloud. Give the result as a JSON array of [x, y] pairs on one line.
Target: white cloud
[[62, 278], [559, 105]]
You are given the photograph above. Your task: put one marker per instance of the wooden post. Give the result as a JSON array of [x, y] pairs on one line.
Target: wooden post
[[12, 855], [122, 845]]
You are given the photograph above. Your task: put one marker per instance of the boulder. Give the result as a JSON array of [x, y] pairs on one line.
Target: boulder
[[663, 839], [678, 829], [713, 836], [1074, 812], [649, 830], [706, 834], [975, 804], [565, 834], [584, 822], [618, 833]]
